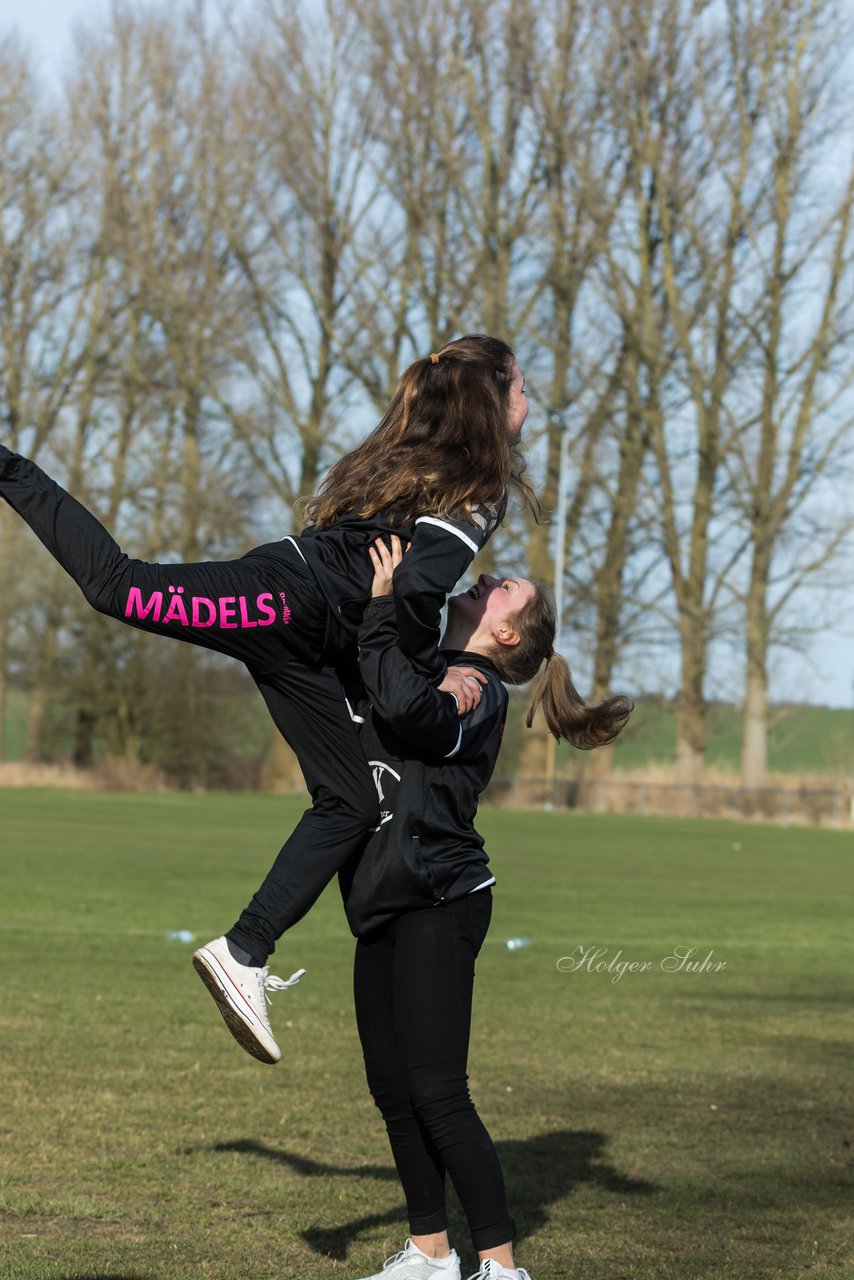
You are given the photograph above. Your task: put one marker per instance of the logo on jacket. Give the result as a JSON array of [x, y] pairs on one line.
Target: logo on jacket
[[380, 769], [202, 611]]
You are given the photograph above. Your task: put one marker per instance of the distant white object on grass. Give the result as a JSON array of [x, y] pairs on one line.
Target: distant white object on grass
[[516, 944], [181, 935]]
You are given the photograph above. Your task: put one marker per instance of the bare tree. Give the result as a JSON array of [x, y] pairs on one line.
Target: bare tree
[[580, 176], [414, 275], [45, 301], [151, 452], [697, 166], [793, 424], [301, 114]]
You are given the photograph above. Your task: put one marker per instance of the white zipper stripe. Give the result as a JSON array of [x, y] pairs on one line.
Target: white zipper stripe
[[443, 524], [288, 538], [356, 719]]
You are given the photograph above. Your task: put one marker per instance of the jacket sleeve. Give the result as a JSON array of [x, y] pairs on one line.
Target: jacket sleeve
[[134, 592], [442, 549], [71, 534], [414, 708]]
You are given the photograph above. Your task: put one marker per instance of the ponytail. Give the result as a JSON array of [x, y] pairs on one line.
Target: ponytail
[[566, 713], [569, 716]]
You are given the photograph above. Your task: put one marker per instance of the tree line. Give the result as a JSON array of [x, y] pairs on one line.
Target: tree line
[[220, 244]]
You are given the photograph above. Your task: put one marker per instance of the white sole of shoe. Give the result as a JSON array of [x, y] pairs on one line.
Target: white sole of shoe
[[233, 1005]]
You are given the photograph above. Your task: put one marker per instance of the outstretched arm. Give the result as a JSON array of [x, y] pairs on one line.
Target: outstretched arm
[[72, 535], [228, 606]]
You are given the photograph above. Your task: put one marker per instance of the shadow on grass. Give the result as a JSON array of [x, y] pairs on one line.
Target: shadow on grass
[[304, 1165], [537, 1171]]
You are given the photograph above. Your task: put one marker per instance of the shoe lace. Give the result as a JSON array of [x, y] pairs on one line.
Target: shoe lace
[[269, 982], [403, 1256]]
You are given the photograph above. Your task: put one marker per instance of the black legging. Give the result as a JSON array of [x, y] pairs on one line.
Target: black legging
[[266, 610], [413, 988]]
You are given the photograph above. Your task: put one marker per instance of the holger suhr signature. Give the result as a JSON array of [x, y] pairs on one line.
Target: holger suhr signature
[[682, 959]]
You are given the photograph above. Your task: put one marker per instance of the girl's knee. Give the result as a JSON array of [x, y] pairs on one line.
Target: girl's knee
[[434, 1102], [389, 1093]]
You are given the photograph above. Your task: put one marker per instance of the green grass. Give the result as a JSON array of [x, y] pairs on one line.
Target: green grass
[[666, 1126]]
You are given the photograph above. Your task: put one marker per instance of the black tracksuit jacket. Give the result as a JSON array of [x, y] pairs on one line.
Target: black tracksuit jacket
[[430, 767]]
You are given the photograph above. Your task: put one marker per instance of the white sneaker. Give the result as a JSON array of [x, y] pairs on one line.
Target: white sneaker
[[412, 1264], [240, 991], [492, 1270]]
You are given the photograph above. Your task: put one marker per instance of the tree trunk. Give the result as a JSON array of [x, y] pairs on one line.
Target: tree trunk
[[84, 738], [38, 702], [754, 748], [754, 745], [533, 767], [43, 679], [690, 713]]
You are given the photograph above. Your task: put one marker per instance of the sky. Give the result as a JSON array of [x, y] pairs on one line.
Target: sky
[[45, 27], [824, 675]]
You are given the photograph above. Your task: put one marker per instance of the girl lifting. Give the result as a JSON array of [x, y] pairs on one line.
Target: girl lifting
[[419, 898]]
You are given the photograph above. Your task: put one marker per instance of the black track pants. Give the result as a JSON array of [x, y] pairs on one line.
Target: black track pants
[[267, 611], [413, 990]]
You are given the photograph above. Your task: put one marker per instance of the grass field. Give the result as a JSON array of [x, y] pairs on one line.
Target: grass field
[[664, 1126]]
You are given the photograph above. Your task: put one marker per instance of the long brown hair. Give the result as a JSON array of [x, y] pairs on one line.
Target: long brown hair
[[567, 714], [442, 445]]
